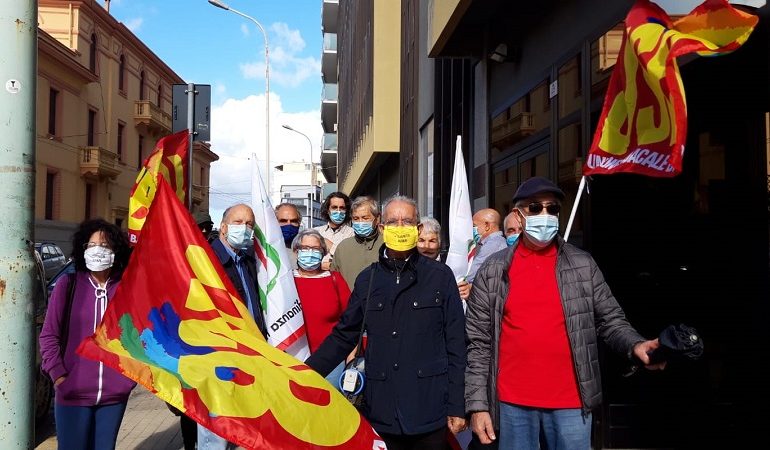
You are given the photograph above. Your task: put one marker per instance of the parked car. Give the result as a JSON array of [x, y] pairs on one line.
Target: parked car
[[69, 267], [52, 256], [43, 384]]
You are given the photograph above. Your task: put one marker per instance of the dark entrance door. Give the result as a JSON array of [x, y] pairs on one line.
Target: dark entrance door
[[694, 249]]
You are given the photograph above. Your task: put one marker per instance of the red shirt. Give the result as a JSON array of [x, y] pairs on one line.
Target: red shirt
[[323, 301], [536, 367]]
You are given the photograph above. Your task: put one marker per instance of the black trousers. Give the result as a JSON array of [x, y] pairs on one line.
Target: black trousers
[[189, 432], [475, 444], [434, 440]]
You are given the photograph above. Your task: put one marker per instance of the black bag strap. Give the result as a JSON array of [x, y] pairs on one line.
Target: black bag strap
[[67, 313], [359, 347]]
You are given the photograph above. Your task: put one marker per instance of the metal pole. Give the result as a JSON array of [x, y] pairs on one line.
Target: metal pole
[[575, 207], [313, 177], [18, 73], [190, 135]]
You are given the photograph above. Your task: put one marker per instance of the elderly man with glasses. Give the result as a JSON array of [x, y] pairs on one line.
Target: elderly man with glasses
[[410, 308], [535, 314]]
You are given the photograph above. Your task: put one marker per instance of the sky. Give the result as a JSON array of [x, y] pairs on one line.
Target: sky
[[207, 45]]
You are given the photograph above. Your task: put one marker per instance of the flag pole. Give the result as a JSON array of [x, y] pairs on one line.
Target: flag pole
[[575, 207]]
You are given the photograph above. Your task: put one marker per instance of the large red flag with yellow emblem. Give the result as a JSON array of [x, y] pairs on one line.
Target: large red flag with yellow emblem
[[643, 126], [168, 160], [177, 327]]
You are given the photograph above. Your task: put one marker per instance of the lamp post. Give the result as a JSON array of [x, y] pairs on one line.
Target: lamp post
[[312, 163], [220, 4]]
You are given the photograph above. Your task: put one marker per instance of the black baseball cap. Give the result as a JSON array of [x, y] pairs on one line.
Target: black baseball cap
[[535, 186]]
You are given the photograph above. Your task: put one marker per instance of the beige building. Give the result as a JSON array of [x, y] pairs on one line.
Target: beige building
[[103, 101]]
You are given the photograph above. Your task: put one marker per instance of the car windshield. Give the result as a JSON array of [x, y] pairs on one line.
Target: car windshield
[[68, 268]]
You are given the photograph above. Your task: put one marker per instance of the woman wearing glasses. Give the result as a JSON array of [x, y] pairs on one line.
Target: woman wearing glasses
[[323, 294], [90, 398]]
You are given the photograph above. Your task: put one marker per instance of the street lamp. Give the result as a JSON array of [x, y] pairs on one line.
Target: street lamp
[[220, 4], [312, 163]]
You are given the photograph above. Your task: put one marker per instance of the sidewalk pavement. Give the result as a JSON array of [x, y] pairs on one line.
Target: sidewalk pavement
[[147, 425]]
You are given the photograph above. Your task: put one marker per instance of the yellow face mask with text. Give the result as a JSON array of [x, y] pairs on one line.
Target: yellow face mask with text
[[401, 238]]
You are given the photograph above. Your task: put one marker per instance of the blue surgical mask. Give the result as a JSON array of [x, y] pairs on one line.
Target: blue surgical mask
[[337, 217], [363, 229], [239, 236], [289, 233], [541, 229], [309, 259], [476, 235], [510, 240]]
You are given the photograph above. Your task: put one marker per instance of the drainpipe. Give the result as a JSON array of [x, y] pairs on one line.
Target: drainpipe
[[18, 68]]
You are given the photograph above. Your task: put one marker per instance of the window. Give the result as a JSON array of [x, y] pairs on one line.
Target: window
[[122, 74], [140, 152], [92, 54], [91, 136], [50, 194], [89, 200], [141, 86], [53, 101], [160, 96], [121, 129]]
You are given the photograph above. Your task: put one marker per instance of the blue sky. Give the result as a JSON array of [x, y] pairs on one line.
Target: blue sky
[[207, 45]]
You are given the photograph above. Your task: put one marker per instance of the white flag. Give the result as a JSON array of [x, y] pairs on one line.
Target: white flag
[[277, 291], [461, 244]]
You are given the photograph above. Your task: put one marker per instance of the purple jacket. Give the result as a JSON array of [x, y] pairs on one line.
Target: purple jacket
[[88, 382]]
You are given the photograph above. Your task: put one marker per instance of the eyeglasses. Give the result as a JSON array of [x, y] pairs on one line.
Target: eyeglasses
[[309, 249], [402, 222], [96, 244], [537, 207]]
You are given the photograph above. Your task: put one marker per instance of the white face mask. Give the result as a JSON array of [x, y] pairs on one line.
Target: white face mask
[[98, 258], [239, 236]]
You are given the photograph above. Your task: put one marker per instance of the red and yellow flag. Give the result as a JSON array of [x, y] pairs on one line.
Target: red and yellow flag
[[169, 160], [177, 327], [643, 126]]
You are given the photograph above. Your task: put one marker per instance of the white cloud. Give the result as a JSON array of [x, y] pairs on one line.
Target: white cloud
[[134, 24], [220, 88], [287, 67], [238, 130], [245, 30]]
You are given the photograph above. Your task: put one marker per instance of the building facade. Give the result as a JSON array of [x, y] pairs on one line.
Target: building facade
[[538, 74], [103, 101]]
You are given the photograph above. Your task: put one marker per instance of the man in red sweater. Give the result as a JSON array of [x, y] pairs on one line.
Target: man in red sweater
[[535, 314]]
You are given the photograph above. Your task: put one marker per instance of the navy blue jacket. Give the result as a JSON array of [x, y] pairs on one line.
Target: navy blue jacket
[[232, 274], [415, 354]]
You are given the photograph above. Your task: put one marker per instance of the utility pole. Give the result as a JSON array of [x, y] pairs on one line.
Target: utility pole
[[18, 72]]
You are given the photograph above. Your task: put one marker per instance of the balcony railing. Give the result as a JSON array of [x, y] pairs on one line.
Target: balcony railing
[[330, 142], [330, 42], [329, 93], [516, 127], [149, 115], [98, 162]]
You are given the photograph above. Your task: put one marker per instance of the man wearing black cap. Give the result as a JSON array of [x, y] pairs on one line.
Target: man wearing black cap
[[535, 314]]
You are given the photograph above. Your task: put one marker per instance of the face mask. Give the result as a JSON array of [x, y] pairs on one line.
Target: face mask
[[363, 229], [309, 259], [98, 258], [239, 236], [289, 233], [541, 229], [510, 240], [476, 235], [400, 239], [337, 217]]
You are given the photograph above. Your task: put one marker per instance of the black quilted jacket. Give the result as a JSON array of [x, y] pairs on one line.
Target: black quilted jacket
[[589, 309]]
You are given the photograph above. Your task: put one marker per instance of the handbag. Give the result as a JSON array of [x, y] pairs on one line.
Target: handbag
[[353, 378]]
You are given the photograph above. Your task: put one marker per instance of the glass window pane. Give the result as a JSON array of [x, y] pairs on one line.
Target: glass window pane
[[506, 183], [604, 55], [527, 116], [570, 87]]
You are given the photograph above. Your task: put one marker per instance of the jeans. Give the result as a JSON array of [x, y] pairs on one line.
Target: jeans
[[208, 440], [88, 427], [525, 428], [334, 375]]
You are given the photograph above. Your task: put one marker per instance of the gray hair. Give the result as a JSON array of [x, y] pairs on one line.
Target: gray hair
[[310, 232], [431, 225], [365, 200], [288, 205], [403, 199]]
